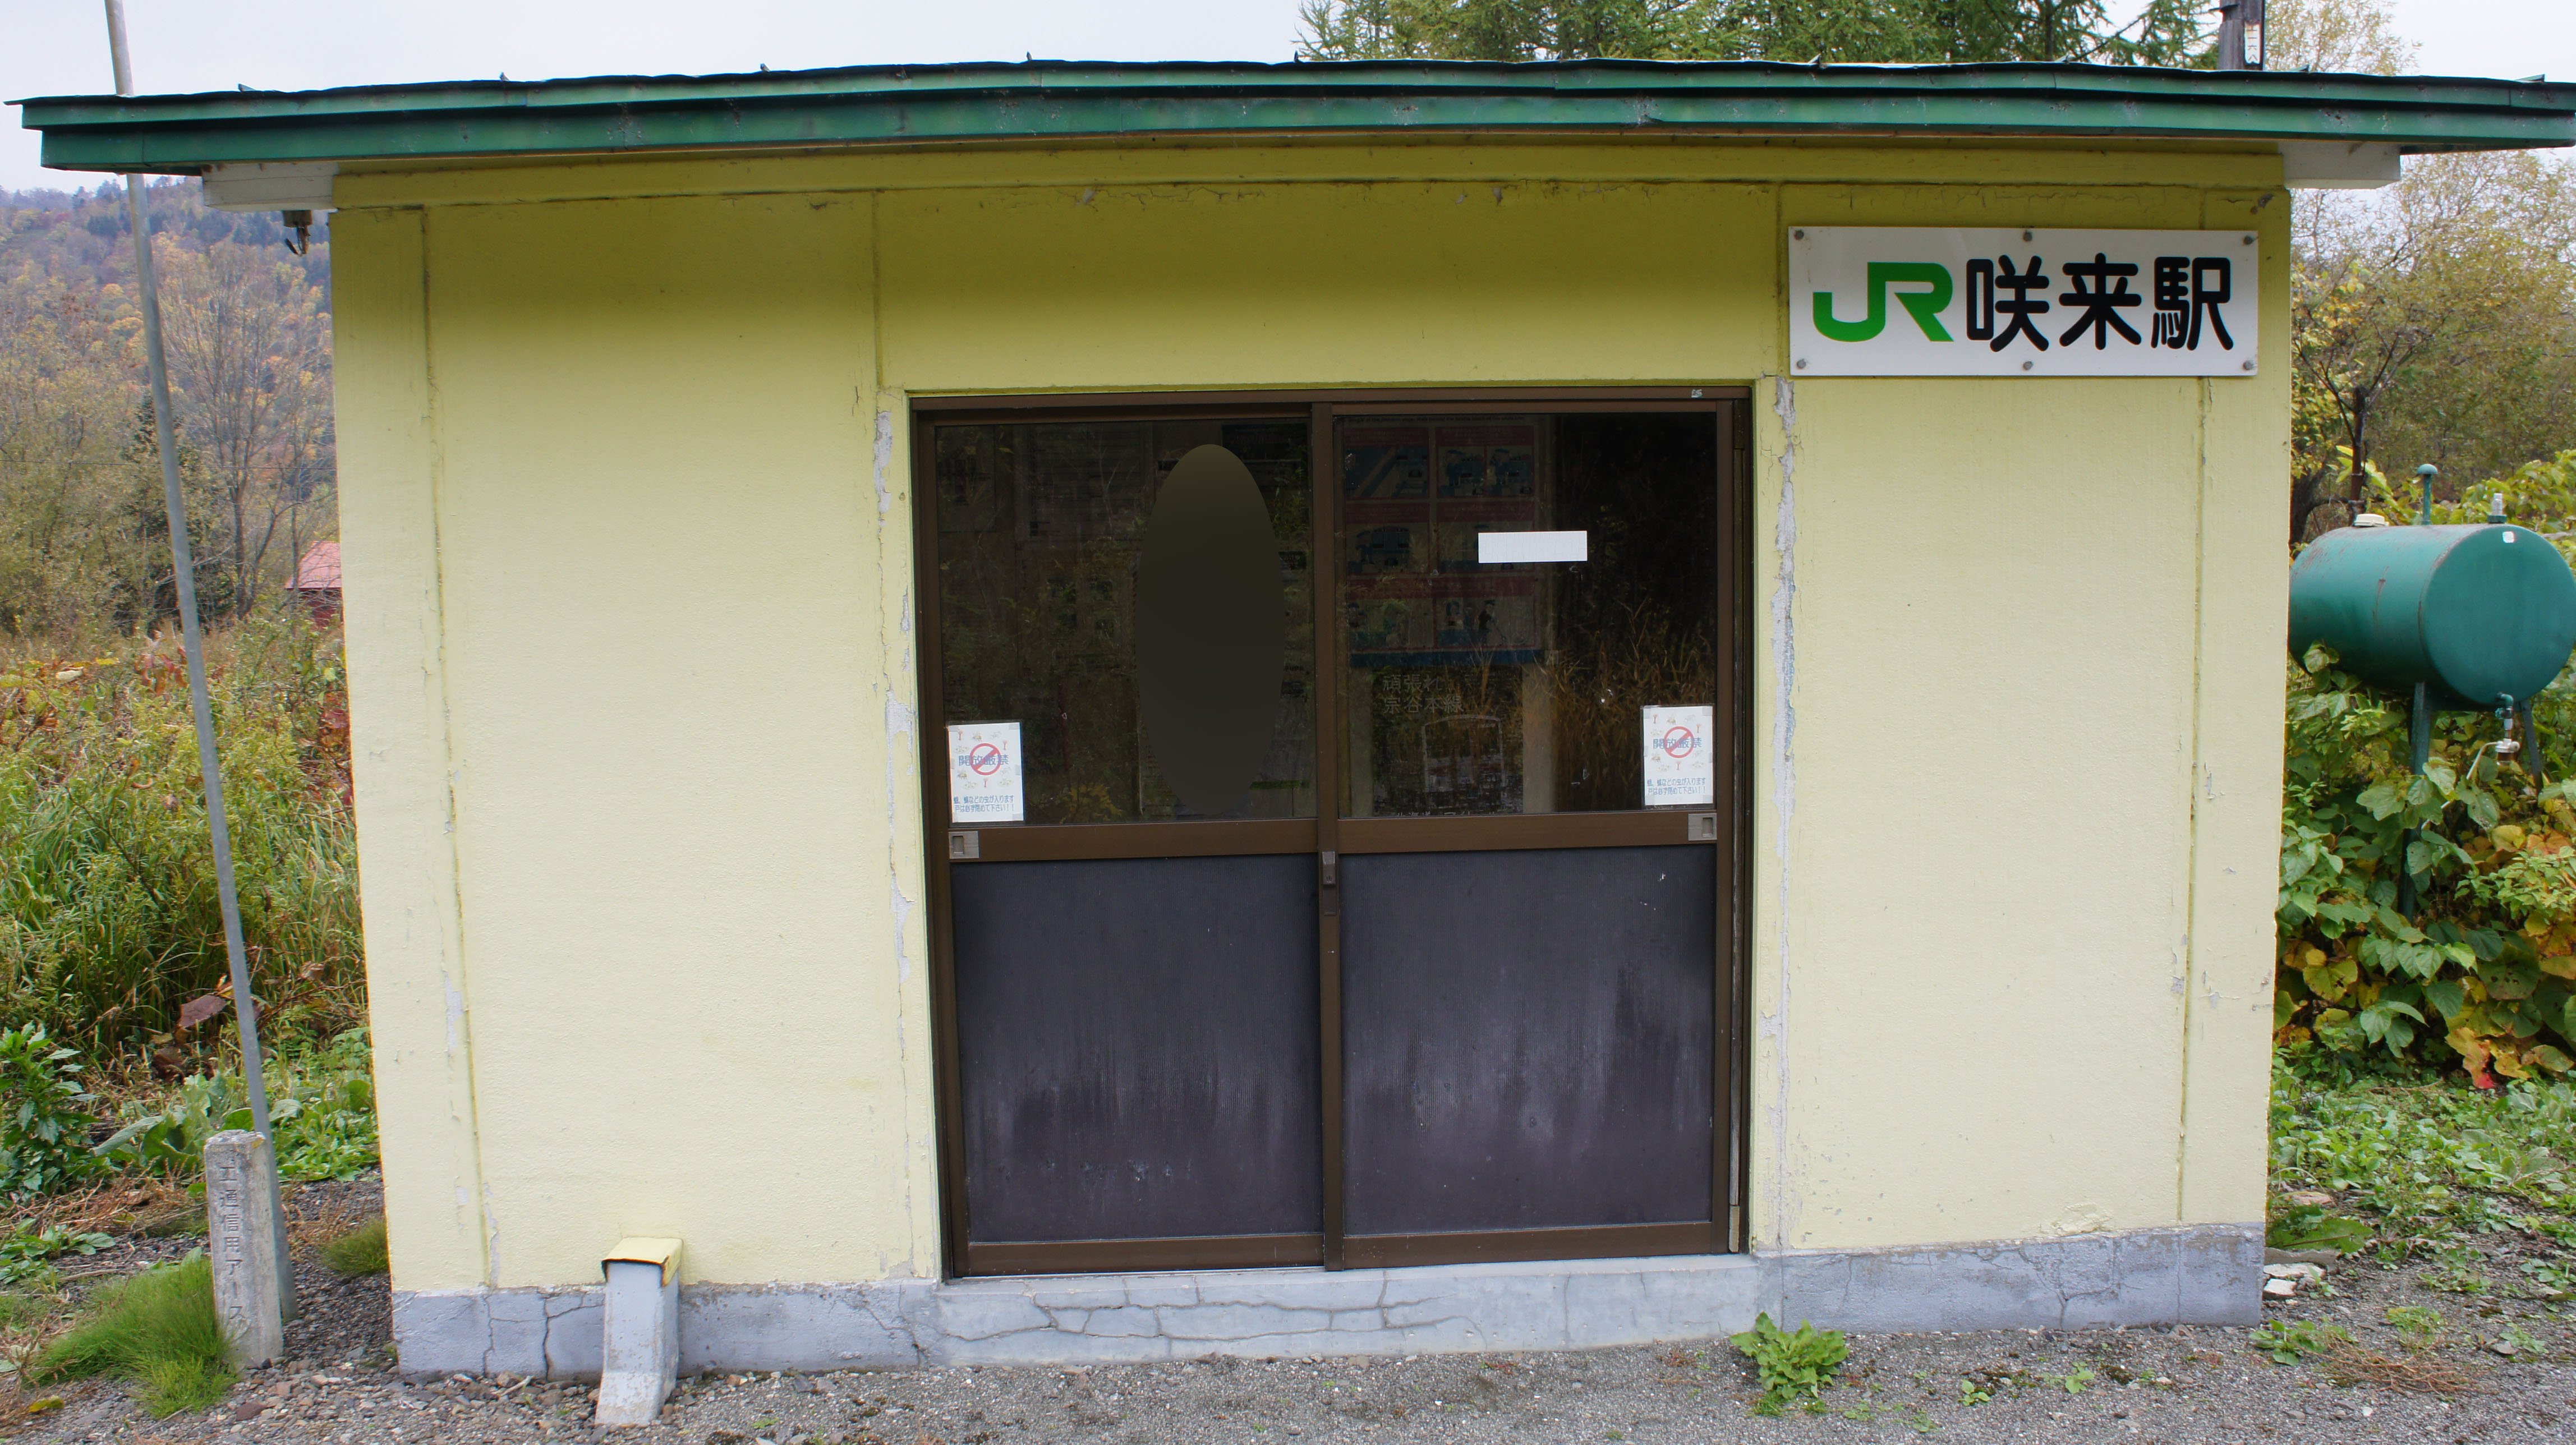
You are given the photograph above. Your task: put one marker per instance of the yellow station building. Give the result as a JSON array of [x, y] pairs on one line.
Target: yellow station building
[[1118, 712]]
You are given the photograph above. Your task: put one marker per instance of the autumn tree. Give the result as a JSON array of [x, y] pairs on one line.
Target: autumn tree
[[63, 402], [84, 540], [2433, 321], [2166, 32], [249, 341]]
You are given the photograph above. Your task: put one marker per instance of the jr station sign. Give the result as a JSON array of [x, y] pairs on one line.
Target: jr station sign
[[1899, 301]]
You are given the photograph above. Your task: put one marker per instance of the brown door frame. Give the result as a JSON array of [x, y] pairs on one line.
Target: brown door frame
[[1329, 835]]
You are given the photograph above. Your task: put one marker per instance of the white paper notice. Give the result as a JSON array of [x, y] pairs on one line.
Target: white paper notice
[[984, 772], [1681, 757], [1533, 546]]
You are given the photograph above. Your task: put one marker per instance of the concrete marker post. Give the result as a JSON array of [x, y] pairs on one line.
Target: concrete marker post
[[241, 1239], [639, 1347]]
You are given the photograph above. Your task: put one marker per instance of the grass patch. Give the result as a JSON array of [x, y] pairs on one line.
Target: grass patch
[[158, 1329], [360, 1251], [172, 1386], [2426, 1162], [109, 925]]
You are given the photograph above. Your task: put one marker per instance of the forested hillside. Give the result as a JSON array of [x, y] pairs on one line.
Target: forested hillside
[[108, 916], [83, 544]]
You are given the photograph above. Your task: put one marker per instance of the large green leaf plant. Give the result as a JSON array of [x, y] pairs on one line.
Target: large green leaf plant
[[2479, 977]]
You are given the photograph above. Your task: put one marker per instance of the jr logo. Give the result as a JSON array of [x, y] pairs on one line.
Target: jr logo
[[1924, 306]]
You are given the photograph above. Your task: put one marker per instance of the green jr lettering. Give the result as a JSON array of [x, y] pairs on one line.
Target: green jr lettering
[[1923, 306]]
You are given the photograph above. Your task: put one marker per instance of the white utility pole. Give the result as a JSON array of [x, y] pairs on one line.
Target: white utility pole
[[183, 561]]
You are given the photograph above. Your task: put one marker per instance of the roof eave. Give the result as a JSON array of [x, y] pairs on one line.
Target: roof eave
[[1056, 102]]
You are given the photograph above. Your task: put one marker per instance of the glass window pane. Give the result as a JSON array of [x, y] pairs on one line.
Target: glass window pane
[[1490, 686], [1042, 533]]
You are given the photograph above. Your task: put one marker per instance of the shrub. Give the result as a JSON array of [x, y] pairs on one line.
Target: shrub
[[360, 1251], [157, 1328], [44, 1136], [2480, 977]]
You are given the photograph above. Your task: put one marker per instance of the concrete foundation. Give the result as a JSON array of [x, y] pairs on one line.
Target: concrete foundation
[[2209, 1274]]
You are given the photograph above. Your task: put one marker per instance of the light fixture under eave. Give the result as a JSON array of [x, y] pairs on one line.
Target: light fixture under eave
[[2334, 165], [272, 186]]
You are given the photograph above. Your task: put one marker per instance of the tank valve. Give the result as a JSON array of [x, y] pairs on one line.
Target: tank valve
[[2509, 744]]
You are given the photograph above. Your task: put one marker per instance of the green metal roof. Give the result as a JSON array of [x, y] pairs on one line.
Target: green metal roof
[[1046, 101]]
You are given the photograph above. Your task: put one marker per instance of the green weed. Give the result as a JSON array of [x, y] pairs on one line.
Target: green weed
[[2308, 1227], [44, 1134], [1795, 1365], [26, 1256], [2522, 1342], [360, 1251], [321, 1109], [2417, 1324], [157, 1328], [2285, 1341], [2453, 1273], [2073, 1382], [2547, 1279]]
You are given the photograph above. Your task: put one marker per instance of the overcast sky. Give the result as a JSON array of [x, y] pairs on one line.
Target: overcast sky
[[59, 47]]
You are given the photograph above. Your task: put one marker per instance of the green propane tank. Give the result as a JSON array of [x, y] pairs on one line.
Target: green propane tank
[[2479, 614]]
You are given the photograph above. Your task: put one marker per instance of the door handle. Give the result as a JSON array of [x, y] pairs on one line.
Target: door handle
[[1328, 880]]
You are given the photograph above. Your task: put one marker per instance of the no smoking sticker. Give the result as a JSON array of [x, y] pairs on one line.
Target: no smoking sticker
[[1681, 757], [984, 772]]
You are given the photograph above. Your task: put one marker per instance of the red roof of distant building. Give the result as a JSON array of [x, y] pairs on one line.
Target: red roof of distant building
[[320, 569]]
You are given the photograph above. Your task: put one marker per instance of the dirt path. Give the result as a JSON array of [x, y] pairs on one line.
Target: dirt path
[[2180, 1386]]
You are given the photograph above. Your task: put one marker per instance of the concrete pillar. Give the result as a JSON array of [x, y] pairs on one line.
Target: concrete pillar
[[242, 1237], [639, 1353]]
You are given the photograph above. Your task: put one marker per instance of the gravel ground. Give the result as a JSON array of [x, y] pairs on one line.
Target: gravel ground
[[2182, 1386]]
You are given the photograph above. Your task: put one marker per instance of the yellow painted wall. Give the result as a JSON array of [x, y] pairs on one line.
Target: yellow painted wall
[[626, 524]]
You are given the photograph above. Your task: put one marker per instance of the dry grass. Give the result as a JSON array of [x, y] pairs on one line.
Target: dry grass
[[2348, 1363], [315, 1218], [115, 1206]]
